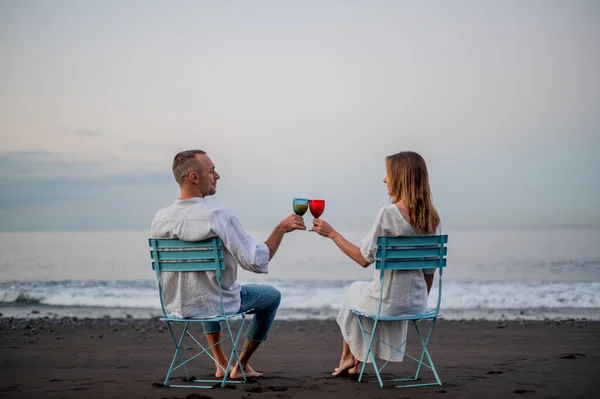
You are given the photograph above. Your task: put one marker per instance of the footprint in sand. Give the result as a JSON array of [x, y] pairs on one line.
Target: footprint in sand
[[571, 356], [270, 388], [523, 391]]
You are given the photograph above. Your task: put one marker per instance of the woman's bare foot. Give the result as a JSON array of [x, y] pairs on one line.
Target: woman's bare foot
[[355, 370], [248, 371], [345, 365]]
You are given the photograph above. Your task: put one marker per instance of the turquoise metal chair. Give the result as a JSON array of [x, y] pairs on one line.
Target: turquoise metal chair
[[173, 255], [406, 253]]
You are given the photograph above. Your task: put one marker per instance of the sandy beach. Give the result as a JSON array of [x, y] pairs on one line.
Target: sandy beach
[[106, 358]]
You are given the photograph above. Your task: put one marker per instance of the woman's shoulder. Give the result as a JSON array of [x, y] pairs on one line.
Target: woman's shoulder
[[389, 212], [392, 210], [387, 208]]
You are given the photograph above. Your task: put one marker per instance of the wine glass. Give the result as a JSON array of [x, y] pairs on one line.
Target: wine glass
[[300, 206], [316, 208]]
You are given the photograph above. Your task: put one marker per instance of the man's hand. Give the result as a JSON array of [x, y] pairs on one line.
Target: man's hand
[[291, 223]]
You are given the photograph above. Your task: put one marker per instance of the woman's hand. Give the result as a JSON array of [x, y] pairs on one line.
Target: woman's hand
[[323, 228]]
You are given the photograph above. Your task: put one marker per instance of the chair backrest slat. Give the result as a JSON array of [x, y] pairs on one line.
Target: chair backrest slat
[[192, 255], [392, 253], [173, 243], [393, 264], [414, 241], [186, 266], [173, 255]]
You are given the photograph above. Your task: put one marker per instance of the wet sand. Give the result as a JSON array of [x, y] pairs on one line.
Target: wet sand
[[128, 358]]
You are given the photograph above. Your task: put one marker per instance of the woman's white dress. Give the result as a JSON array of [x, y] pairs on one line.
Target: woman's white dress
[[404, 292]]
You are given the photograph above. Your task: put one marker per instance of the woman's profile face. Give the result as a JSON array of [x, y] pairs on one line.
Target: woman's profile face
[[385, 180]]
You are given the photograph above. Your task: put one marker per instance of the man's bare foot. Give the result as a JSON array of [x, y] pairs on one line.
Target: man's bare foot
[[345, 365], [220, 373], [250, 373]]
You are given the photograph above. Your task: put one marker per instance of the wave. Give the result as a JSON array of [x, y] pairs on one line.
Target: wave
[[313, 295], [26, 299]]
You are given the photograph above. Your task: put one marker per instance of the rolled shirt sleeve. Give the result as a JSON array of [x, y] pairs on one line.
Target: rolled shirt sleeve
[[368, 247], [244, 249]]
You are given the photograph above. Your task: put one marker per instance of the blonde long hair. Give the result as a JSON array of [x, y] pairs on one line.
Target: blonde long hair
[[409, 182]]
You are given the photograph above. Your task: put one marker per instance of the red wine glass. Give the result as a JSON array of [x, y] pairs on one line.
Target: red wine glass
[[316, 208]]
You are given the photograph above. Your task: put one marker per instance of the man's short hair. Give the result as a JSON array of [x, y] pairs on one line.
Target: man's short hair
[[184, 163]]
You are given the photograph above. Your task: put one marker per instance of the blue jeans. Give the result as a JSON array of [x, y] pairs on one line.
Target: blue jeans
[[264, 300]]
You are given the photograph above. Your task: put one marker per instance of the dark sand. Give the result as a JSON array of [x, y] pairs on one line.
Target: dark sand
[[110, 358]]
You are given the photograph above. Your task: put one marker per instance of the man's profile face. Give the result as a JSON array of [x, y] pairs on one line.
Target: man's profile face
[[205, 176]]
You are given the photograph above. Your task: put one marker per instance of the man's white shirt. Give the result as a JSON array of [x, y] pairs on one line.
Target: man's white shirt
[[196, 294]]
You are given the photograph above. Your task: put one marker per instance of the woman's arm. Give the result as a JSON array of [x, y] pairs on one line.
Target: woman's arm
[[351, 250]]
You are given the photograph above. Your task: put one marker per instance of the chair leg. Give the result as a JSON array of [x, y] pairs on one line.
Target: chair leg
[[177, 352], [233, 352], [178, 355], [237, 339], [362, 331], [425, 344], [205, 350], [422, 353], [369, 353]]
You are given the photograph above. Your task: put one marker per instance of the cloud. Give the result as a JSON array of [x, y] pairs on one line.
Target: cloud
[[44, 164], [47, 165], [88, 133], [154, 146], [75, 194], [54, 205]]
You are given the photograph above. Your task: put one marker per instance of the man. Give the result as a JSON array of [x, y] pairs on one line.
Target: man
[[195, 294]]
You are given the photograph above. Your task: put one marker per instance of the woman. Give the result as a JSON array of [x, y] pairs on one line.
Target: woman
[[411, 213]]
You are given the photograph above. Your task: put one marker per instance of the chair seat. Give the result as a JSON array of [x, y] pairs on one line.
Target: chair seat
[[205, 319], [430, 314]]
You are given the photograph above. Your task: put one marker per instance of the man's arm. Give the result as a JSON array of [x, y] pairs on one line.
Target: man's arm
[[250, 256], [291, 223], [274, 240]]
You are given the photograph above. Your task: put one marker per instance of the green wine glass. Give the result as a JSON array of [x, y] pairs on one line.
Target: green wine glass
[[300, 206]]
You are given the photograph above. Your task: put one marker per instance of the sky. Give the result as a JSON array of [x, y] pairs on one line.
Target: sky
[[299, 99]]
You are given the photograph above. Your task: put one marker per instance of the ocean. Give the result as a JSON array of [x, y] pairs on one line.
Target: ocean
[[491, 274]]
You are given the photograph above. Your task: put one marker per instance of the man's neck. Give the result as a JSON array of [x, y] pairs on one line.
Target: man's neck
[[188, 195]]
